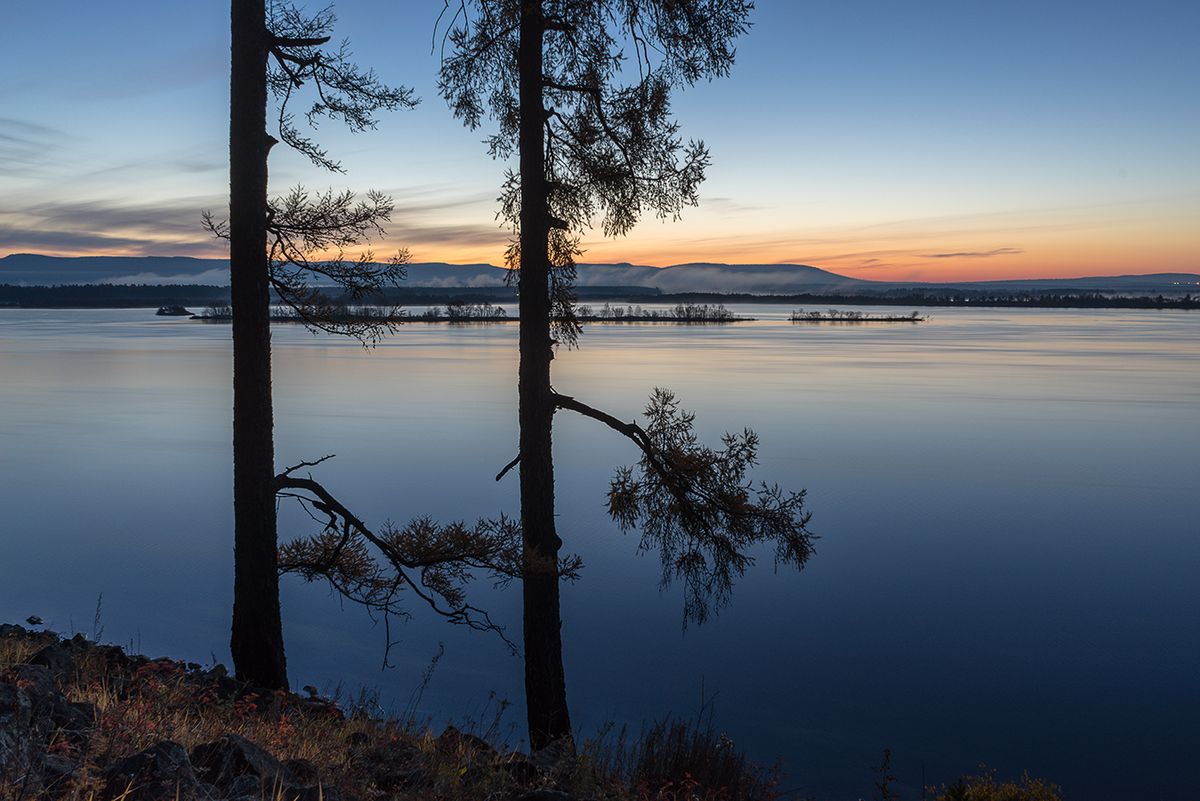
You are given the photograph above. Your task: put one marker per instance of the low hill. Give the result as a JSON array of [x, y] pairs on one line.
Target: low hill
[[29, 269]]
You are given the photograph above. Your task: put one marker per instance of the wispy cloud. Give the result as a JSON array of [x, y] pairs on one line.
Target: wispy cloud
[[27, 147], [180, 216], [974, 254], [727, 205], [435, 218], [424, 221], [71, 243], [106, 226]]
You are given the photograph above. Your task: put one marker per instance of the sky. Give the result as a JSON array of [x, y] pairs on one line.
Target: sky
[[921, 141]]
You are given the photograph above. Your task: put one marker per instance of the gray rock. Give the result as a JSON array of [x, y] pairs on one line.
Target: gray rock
[[17, 747], [57, 659], [451, 739], [57, 773], [162, 772], [243, 787], [36, 679], [545, 794], [518, 768], [556, 758], [237, 768], [301, 773], [51, 711], [229, 759], [396, 766]]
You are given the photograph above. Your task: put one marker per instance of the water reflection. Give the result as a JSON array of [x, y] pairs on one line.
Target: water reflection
[[1007, 498]]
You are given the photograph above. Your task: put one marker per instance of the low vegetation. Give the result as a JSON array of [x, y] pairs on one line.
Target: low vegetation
[[679, 313], [463, 311], [852, 316]]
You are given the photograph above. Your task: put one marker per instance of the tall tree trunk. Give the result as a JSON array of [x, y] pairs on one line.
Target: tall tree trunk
[[257, 639], [545, 687]]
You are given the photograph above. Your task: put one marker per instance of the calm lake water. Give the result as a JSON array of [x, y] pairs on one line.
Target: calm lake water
[[1007, 501]]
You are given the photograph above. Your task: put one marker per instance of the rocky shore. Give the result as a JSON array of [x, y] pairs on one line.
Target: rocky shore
[[81, 720]]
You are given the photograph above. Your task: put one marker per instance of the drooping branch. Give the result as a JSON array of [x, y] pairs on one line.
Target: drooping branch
[[504, 470], [696, 506], [379, 569], [631, 431]]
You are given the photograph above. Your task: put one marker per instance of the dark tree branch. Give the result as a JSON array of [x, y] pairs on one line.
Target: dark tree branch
[[504, 471], [298, 41], [324, 556]]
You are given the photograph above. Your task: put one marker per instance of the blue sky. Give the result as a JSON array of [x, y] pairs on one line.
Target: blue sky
[[882, 140]]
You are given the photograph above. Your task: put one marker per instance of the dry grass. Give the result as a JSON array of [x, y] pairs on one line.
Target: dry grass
[[985, 787], [674, 760], [16, 650], [140, 703]]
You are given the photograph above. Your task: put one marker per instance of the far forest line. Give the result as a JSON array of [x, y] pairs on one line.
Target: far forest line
[[137, 296]]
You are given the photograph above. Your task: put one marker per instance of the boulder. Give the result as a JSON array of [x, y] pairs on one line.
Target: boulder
[[236, 768], [17, 745], [518, 768], [50, 709], [451, 740], [162, 772], [395, 766], [57, 659], [556, 758], [57, 773], [227, 761], [545, 794]]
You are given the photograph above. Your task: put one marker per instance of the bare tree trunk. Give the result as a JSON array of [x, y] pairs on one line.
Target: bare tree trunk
[[257, 638], [545, 687]]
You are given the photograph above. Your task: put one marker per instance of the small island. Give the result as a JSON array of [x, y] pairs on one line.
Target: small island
[[850, 316], [173, 310]]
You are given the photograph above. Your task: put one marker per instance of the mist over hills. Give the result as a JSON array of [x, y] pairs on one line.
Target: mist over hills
[[30, 269]]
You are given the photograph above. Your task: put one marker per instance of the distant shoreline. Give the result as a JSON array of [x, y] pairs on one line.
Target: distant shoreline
[[130, 296]]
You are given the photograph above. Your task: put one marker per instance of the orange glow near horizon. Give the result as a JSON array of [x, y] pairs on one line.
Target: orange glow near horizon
[[944, 250], [880, 265]]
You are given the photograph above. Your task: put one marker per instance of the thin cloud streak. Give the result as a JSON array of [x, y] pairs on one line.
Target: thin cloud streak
[[974, 254], [27, 148]]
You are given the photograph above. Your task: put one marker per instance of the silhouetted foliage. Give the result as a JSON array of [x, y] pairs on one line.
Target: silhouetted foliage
[[307, 234], [580, 94], [302, 231], [611, 146], [696, 507], [851, 316], [423, 562]]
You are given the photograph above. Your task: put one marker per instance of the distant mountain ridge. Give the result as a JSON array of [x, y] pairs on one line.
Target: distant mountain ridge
[[35, 269]]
